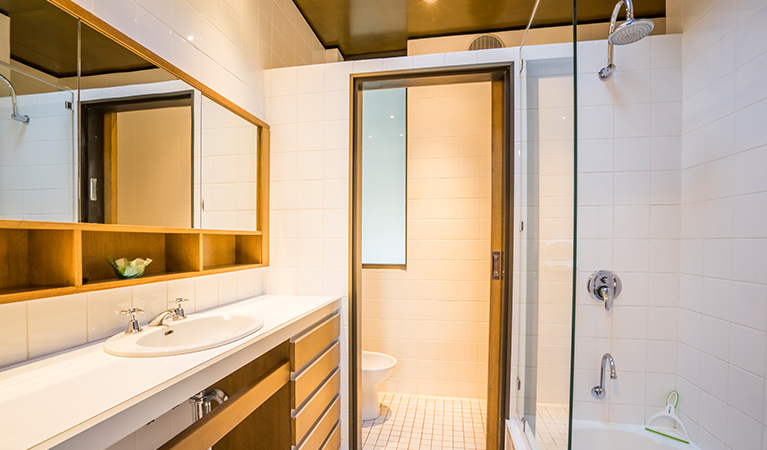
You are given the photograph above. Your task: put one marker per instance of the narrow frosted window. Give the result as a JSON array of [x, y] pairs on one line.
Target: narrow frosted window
[[384, 165]]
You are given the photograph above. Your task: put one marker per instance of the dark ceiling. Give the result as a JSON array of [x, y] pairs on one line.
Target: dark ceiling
[[368, 27], [45, 37]]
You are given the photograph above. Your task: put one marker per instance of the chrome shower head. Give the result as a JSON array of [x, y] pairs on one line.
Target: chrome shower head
[[630, 31]]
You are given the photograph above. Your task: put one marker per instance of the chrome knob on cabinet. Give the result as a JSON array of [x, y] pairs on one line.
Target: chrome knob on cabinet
[[604, 286]]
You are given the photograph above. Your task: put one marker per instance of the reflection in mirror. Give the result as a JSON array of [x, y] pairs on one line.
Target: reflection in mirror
[[148, 148], [136, 139], [229, 169], [137, 160], [37, 162]]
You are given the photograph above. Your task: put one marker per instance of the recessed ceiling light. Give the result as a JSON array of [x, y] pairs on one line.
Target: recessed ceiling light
[[430, 1]]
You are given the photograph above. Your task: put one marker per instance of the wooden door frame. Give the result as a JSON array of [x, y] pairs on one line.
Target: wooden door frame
[[499, 339]]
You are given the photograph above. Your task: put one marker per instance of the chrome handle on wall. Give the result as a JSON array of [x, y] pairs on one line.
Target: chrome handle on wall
[[604, 286]]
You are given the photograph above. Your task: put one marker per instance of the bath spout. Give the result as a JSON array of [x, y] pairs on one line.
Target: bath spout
[[607, 361]]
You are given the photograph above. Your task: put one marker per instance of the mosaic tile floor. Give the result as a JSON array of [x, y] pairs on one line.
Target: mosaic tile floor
[[426, 422], [551, 426]]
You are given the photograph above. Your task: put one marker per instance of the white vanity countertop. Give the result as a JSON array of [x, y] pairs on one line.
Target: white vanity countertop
[[49, 400]]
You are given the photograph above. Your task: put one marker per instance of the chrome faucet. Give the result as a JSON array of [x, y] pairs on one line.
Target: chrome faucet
[[133, 325], [172, 314], [599, 391]]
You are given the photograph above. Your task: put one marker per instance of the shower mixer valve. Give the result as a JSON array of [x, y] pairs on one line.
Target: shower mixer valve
[[604, 286]]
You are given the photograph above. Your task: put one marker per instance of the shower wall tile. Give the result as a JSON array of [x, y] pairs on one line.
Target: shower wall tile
[[630, 220], [722, 222]]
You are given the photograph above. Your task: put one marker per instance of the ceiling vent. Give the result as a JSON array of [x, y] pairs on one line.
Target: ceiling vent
[[485, 41]]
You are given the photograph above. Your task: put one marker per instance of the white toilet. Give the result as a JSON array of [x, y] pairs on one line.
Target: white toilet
[[375, 368]]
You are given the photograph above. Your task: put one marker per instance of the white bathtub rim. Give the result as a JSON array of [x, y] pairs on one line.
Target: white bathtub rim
[[638, 430]]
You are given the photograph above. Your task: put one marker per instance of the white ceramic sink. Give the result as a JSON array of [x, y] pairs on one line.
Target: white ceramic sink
[[193, 334]]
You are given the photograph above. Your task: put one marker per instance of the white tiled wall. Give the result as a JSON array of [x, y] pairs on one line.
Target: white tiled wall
[[723, 293], [629, 194], [40, 327], [37, 162], [226, 44], [308, 109], [154, 167], [433, 316]]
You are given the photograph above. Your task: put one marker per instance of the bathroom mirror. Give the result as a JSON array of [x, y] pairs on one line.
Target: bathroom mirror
[[141, 147]]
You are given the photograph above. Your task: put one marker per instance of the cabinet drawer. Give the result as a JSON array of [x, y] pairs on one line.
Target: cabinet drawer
[[307, 416], [302, 386], [327, 423], [334, 441], [306, 347]]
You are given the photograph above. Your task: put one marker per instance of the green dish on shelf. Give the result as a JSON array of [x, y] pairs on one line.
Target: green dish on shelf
[[126, 269]]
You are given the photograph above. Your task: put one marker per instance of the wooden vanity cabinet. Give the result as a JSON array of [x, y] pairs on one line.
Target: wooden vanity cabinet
[[286, 399], [315, 383]]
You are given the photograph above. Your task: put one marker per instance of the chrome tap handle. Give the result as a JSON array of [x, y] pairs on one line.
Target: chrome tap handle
[[604, 286], [133, 325], [132, 312], [180, 314]]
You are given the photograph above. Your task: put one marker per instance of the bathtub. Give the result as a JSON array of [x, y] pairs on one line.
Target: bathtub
[[588, 435]]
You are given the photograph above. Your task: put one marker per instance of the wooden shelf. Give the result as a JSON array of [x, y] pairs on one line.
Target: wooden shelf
[[44, 259]]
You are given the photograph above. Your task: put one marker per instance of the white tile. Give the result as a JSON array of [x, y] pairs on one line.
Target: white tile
[[746, 392], [632, 222], [688, 364], [596, 189], [713, 415], [749, 216], [284, 81], [227, 288], [13, 340], [630, 322], [661, 357], [310, 79], [749, 258], [206, 292], [748, 306], [663, 323], [632, 255], [742, 431], [714, 376], [689, 328], [152, 298], [630, 355], [747, 349], [633, 120], [595, 222], [632, 188], [104, 318], [56, 323], [245, 284], [595, 155], [749, 169], [184, 289], [715, 337]]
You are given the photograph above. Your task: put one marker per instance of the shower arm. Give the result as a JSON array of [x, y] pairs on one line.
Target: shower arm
[[15, 115], [607, 71]]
